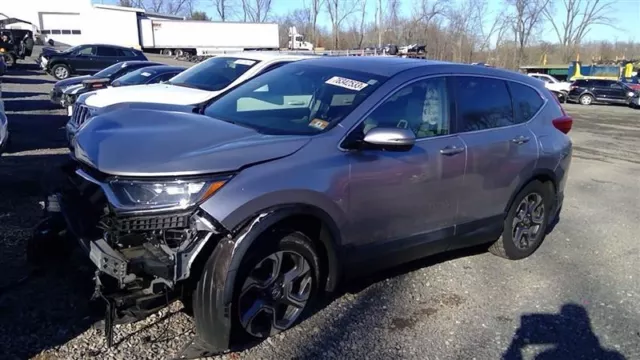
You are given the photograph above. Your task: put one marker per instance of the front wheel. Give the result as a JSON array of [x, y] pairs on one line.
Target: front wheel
[[10, 60], [277, 282], [60, 71], [526, 222]]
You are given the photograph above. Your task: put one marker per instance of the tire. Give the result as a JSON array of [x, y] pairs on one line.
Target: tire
[[506, 246], [10, 60], [60, 71], [286, 245], [586, 99], [167, 52], [179, 52]]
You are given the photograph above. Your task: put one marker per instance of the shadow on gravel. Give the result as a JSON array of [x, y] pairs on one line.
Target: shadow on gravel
[[47, 309], [29, 105], [359, 326], [36, 131], [7, 95], [26, 81], [23, 71], [569, 335]]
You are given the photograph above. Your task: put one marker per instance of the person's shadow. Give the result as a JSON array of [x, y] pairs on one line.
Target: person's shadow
[[568, 333]]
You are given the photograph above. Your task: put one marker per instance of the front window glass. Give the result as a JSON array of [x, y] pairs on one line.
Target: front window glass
[[296, 99], [214, 74]]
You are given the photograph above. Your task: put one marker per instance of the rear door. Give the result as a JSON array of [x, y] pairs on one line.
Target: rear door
[[602, 90], [501, 150], [105, 57]]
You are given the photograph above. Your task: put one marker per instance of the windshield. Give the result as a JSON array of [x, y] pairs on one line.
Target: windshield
[[214, 74], [139, 76], [295, 99], [633, 80], [73, 48], [108, 72]]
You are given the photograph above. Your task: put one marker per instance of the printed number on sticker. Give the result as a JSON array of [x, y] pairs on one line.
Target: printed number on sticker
[[347, 83]]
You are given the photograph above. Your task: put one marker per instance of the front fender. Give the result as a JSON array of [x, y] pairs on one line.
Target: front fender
[[214, 295]]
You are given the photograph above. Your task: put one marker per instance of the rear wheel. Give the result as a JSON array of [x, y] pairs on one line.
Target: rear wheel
[[179, 52], [167, 52], [526, 222], [586, 99]]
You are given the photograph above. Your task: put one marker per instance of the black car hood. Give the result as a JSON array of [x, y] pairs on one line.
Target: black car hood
[[145, 143], [72, 81]]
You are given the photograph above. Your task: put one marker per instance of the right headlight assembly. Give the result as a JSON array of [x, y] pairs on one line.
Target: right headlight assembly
[[147, 195]]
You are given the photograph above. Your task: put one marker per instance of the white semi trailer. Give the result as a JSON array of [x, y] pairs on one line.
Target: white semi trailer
[[177, 37]]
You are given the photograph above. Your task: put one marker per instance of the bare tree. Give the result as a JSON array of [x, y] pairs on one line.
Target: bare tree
[[579, 18], [527, 16], [256, 10], [363, 15], [339, 10], [224, 8], [315, 8]]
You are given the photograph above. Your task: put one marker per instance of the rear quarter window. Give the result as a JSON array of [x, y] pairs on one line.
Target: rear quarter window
[[526, 102]]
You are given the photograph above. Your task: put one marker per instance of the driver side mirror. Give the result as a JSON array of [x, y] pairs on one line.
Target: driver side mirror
[[390, 138]]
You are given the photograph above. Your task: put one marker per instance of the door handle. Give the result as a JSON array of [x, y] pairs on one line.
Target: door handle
[[520, 140], [296, 103], [451, 150]]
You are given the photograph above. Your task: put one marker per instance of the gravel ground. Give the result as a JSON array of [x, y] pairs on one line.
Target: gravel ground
[[576, 298]]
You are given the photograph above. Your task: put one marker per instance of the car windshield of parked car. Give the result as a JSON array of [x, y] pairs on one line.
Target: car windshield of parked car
[[295, 99], [139, 76], [214, 74], [109, 71]]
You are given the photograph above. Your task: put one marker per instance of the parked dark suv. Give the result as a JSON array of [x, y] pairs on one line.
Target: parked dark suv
[[590, 91], [85, 59], [305, 176]]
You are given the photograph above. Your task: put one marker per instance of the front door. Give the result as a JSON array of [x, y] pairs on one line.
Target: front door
[[501, 150], [618, 93], [82, 61], [398, 200]]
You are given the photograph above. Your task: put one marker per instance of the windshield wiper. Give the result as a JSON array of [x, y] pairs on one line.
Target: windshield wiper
[[188, 86]]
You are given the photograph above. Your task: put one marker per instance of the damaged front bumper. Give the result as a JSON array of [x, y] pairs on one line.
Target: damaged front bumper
[[143, 262]]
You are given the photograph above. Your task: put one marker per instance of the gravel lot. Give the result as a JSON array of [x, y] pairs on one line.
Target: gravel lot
[[578, 297]]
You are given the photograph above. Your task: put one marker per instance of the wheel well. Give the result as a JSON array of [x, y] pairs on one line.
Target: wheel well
[[543, 177], [316, 230]]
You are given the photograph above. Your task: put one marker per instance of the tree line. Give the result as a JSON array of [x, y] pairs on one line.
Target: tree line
[[461, 31]]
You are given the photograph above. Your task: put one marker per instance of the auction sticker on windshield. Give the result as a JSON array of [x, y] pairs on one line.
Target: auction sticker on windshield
[[318, 124], [347, 83], [244, 62], [145, 74]]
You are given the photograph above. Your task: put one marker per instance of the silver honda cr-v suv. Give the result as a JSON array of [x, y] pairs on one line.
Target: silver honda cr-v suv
[[303, 177]]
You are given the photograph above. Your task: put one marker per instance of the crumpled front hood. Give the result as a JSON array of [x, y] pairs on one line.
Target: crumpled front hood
[[142, 142], [154, 93], [71, 81]]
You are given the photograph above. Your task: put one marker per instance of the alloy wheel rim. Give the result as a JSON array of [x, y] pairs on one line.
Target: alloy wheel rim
[[61, 72], [528, 221], [586, 100], [275, 293]]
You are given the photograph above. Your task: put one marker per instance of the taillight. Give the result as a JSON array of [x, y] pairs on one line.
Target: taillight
[[563, 123], [573, 86]]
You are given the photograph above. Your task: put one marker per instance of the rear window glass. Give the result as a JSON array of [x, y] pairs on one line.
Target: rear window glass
[[214, 74], [483, 103], [526, 102]]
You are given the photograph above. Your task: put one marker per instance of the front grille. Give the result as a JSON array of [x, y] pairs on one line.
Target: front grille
[[81, 114], [156, 222]]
